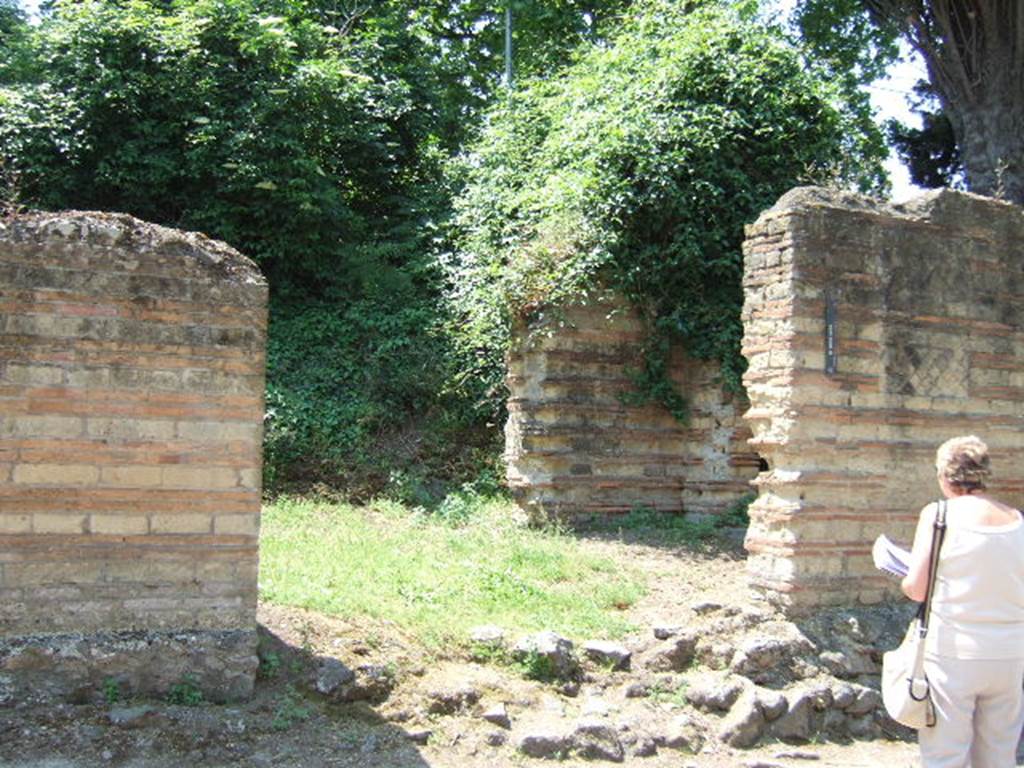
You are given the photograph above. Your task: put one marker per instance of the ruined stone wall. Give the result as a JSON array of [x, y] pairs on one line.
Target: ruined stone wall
[[574, 449], [924, 304], [131, 407]]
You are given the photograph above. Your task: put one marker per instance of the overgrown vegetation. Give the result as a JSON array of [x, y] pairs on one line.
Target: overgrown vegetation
[[313, 138], [438, 577], [297, 134], [290, 710], [319, 139], [636, 168]]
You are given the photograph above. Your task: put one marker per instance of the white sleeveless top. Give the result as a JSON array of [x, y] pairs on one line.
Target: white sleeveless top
[[978, 606]]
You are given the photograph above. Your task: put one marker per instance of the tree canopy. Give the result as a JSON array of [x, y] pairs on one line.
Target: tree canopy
[[268, 130]]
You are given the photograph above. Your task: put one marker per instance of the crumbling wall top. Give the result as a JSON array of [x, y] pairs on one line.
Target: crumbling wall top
[[193, 254]]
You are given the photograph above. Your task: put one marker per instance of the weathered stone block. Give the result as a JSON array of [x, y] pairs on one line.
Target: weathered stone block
[[181, 523], [55, 474]]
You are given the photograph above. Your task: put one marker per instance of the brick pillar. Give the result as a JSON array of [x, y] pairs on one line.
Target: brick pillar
[[131, 408], [577, 448], [922, 307]]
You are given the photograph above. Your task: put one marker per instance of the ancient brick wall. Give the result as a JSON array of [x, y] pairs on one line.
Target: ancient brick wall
[[575, 449], [131, 407], [922, 307]]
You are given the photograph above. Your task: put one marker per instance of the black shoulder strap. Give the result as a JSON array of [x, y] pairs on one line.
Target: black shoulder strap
[[938, 534]]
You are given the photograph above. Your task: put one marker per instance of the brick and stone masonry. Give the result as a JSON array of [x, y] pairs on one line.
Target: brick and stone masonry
[[576, 449], [131, 409], [924, 304]]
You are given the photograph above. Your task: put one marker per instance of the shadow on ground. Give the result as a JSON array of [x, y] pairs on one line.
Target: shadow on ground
[[285, 723]]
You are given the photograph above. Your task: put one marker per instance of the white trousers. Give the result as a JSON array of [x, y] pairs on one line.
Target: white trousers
[[980, 712]]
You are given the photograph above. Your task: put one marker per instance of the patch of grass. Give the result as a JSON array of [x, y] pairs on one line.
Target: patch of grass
[[673, 529], [438, 575], [289, 711], [186, 693], [672, 695], [496, 654]]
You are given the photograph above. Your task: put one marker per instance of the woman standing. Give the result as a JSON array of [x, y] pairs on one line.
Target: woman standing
[[975, 644]]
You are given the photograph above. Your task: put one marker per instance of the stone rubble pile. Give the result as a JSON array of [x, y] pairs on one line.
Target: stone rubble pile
[[727, 676]]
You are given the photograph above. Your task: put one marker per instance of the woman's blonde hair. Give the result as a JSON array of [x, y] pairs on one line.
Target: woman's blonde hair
[[963, 463]]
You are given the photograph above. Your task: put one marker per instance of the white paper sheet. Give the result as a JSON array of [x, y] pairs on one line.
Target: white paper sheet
[[890, 558]]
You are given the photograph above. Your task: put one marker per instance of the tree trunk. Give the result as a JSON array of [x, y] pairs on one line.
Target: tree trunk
[[991, 141], [974, 51]]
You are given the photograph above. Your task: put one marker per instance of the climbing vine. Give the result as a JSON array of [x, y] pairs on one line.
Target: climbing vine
[[637, 169]]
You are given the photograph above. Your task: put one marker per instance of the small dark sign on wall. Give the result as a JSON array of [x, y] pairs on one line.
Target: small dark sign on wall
[[831, 360]]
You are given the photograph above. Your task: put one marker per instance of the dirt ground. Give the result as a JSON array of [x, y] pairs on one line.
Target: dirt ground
[[287, 724]]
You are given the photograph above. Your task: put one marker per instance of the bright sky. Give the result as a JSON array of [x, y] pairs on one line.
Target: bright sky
[[890, 98]]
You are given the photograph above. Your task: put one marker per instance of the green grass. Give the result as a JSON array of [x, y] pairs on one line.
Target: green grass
[[438, 575], [671, 529]]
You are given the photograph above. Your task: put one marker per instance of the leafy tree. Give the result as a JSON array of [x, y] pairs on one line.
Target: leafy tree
[[11, 18], [13, 29], [464, 45], [929, 152], [637, 168], [975, 63], [310, 146], [264, 129]]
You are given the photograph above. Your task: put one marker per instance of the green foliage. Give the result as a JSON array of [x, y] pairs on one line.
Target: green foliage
[[929, 152], [496, 654], [652, 380], [844, 37], [676, 529], [669, 528], [857, 42], [637, 168], [353, 400], [111, 690], [309, 138], [537, 666], [13, 28], [186, 693], [668, 693], [316, 137], [270, 662], [247, 120], [289, 711], [736, 516]]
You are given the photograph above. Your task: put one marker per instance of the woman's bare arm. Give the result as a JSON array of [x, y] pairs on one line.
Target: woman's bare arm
[[915, 583]]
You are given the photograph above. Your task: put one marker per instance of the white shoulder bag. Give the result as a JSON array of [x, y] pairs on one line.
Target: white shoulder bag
[[906, 692]]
